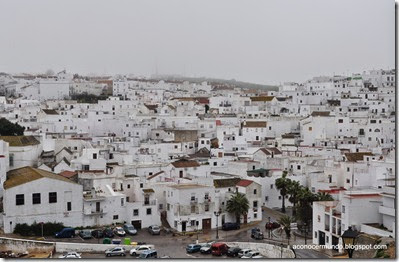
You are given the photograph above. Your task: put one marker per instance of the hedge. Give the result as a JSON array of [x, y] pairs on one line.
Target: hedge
[[49, 229]]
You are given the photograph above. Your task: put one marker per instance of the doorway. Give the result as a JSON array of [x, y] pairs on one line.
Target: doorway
[[183, 226]]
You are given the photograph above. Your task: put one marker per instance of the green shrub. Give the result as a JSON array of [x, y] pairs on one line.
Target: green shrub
[[49, 229]]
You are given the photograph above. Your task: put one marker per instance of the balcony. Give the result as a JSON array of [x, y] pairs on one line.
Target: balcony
[[150, 203], [327, 227]]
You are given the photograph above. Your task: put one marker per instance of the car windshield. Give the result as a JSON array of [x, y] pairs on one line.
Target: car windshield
[[129, 227], [155, 227]]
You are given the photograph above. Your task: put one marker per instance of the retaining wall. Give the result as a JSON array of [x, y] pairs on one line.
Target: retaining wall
[[23, 245], [83, 247], [266, 250]]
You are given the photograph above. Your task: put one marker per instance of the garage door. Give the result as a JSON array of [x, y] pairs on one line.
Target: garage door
[[136, 224]]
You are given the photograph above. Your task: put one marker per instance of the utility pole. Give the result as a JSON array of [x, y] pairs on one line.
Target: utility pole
[[217, 214]]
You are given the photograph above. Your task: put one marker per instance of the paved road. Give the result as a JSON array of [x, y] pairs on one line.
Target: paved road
[[309, 253]]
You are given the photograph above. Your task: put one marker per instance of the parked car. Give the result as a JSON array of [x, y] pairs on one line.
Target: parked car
[[233, 251], [252, 254], [149, 254], [272, 225], [206, 248], [219, 249], [256, 233], [230, 226], [244, 252], [85, 234], [108, 233], [97, 233], [116, 251], [140, 249], [193, 248], [119, 232], [71, 255], [129, 229], [154, 230], [65, 233]]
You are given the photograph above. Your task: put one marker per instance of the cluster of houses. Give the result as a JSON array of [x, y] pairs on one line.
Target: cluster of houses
[[173, 153]]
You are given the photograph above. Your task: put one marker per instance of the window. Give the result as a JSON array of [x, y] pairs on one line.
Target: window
[[348, 169], [279, 197], [266, 198], [271, 186], [299, 167], [115, 217], [192, 223], [255, 204], [149, 211], [52, 197], [181, 173], [206, 208], [255, 192], [192, 209], [310, 128], [36, 198], [128, 185], [135, 212], [11, 158], [122, 201], [348, 180], [20, 199], [343, 209], [141, 185], [340, 120], [315, 234], [255, 215], [69, 206]]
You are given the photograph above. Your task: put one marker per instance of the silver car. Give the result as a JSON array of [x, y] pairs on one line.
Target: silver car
[[154, 230], [116, 251]]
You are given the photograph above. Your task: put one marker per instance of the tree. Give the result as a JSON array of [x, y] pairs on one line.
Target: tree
[[285, 221], [306, 198], [9, 129], [323, 196], [238, 205], [294, 189], [283, 183]]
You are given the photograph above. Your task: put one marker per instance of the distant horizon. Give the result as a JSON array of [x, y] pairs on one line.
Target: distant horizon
[[185, 76]]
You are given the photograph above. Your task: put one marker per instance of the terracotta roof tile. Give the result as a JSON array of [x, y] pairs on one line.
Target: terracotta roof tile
[[244, 183]]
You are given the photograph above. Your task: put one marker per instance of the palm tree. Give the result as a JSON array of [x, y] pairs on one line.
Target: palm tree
[[323, 196], [283, 183], [306, 198], [285, 221], [238, 205], [294, 190]]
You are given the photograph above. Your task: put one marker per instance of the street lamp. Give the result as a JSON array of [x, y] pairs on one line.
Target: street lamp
[[305, 226], [349, 240], [217, 214], [270, 229]]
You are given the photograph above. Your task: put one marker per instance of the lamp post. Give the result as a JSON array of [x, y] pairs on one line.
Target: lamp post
[[349, 240], [270, 229], [217, 214], [305, 231], [281, 245], [197, 223]]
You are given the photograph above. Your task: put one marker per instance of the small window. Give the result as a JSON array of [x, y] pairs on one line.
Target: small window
[[310, 128], [343, 209], [149, 210], [271, 186], [52, 197], [20, 199], [266, 198], [141, 185], [69, 206], [279, 197], [255, 191], [128, 185], [206, 208], [116, 217], [36, 198], [135, 212], [340, 120], [348, 180]]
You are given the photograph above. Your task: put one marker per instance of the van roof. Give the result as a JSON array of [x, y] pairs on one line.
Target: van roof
[[218, 244]]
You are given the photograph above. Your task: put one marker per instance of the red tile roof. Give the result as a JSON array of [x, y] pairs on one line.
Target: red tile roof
[[244, 183], [68, 174]]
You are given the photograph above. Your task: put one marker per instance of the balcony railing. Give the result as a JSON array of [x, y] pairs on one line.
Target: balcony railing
[[150, 203]]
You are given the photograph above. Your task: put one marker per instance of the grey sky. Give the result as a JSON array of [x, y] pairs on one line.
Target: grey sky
[[264, 41]]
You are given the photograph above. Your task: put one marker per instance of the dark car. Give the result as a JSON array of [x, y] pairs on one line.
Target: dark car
[[108, 232], [256, 234], [272, 225], [65, 233], [192, 248], [230, 226], [233, 251], [85, 234], [97, 233]]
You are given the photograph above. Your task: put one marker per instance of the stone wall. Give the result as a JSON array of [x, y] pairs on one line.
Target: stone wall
[[23, 245]]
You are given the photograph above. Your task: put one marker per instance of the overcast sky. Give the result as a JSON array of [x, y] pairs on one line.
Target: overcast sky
[[265, 41]]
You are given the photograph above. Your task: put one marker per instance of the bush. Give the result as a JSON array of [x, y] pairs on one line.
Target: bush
[[49, 229]]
